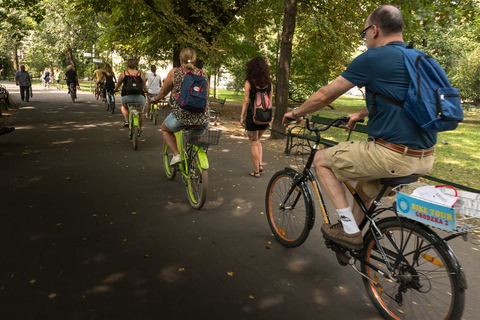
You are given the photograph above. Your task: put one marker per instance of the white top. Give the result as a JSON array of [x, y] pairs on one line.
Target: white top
[[153, 83]]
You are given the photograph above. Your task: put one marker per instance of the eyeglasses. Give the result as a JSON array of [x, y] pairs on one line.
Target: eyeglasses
[[364, 32]]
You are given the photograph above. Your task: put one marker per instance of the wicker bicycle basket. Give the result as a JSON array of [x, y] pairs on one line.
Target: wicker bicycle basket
[[136, 106], [463, 216], [211, 137]]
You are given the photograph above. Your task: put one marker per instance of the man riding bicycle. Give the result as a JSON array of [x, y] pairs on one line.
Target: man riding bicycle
[[97, 76], [71, 77], [396, 146]]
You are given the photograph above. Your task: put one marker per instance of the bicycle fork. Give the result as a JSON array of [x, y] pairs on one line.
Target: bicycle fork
[[191, 155]]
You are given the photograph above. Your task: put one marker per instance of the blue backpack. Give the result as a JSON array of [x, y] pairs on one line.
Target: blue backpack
[[431, 102], [193, 95]]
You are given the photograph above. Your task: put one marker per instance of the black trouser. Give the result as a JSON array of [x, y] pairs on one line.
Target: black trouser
[[23, 90]]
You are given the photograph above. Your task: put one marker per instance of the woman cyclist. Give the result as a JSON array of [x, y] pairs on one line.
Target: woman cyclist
[[180, 117], [134, 76], [108, 77]]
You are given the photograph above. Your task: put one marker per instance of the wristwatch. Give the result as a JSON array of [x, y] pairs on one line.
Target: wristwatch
[[293, 114]]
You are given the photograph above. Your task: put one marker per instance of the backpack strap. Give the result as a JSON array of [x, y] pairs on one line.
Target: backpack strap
[[389, 100]]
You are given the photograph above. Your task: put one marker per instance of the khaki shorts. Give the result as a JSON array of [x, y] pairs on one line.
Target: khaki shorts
[[369, 162]]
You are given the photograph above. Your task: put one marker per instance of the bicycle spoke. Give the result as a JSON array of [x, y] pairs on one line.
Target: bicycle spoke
[[423, 283]]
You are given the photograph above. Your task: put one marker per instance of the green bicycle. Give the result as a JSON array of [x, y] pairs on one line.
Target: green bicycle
[[194, 165], [134, 109], [153, 112]]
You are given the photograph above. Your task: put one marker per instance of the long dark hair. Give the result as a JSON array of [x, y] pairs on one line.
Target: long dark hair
[[258, 73]]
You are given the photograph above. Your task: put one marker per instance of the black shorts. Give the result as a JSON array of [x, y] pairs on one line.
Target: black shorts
[[252, 126]]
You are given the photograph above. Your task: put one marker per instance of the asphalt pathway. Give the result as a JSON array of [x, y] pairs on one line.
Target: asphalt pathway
[[92, 229]]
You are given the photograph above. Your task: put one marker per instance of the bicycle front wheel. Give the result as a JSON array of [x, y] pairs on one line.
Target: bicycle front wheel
[[197, 181], [170, 171], [290, 217], [425, 282]]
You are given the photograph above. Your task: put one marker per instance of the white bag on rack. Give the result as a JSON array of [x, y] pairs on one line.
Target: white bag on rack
[[434, 194]]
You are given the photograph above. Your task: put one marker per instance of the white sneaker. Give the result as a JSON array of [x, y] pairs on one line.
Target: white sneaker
[[176, 160]]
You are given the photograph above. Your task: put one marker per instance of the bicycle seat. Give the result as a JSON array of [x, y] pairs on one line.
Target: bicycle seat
[[393, 182]]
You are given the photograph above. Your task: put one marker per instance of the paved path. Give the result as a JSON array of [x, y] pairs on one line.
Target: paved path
[[91, 229]]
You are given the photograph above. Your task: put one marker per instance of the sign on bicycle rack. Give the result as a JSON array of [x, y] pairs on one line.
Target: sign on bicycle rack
[[463, 216]]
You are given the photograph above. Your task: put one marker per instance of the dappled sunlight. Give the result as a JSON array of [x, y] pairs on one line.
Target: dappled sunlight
[[270, 302], [25, 128], [170, 274], [243, 207], [60, 142], [114, 278], [298, 265], [319, 297], [98, 290], [178, 206], [98, 258]]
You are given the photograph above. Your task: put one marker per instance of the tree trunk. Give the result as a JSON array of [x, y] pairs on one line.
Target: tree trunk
[[70, 59], [281, 99], [16, 67]]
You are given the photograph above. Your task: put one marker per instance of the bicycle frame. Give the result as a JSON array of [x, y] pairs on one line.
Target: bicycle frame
[[185, 165], [370, 214], [133, 116]]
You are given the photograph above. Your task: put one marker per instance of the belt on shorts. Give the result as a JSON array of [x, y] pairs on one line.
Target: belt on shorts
[[405, 150]]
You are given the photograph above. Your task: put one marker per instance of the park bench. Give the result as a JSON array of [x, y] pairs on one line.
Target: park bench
[[470, 107], [302, 135], [4, 99], [216, 107]]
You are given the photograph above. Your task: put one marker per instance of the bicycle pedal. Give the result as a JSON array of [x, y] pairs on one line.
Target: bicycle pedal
[[335, 246]]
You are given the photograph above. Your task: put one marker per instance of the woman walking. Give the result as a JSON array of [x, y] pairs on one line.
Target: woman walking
[[258, 78]]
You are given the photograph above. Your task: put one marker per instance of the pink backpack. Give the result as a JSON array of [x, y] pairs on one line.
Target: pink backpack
[[262, 107]]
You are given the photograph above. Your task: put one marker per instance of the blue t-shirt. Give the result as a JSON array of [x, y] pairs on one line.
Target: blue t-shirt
[[382, 70]]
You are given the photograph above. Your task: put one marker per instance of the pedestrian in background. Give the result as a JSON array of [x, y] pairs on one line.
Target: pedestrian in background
[[22, 78], [258, 77], [57, 78]]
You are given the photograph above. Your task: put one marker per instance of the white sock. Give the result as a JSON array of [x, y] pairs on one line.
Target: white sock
[[348, 221]]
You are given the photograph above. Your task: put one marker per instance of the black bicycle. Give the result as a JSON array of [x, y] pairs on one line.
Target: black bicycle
[[408, 270], [110, 100], [73, 91]]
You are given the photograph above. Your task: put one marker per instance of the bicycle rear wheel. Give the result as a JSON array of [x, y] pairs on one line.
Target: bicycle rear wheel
[[73, 94], [112, 102], [170, 172], [97, 94], [135, 137], [197, 181], [290, 218], [425, 281]]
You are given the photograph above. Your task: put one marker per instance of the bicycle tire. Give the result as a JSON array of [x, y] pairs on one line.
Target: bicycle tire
[[107, 106], [290, 224], [428, 284], [135, 137], [112, 102], [170, 172], [73, 94], [97, 94], [155, 116], [197, 181]]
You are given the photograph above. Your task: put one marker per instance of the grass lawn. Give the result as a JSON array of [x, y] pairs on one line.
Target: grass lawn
[[457, 161]]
